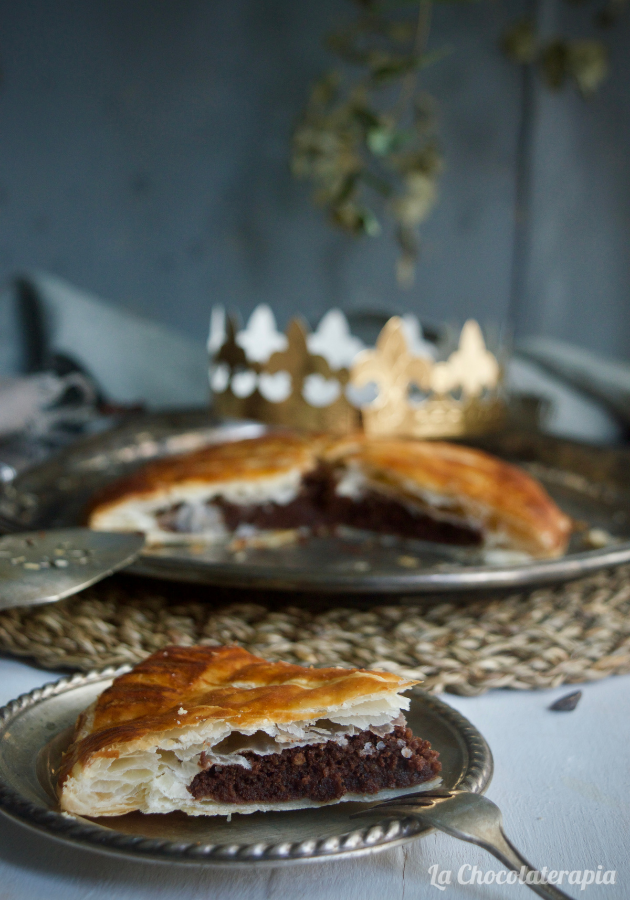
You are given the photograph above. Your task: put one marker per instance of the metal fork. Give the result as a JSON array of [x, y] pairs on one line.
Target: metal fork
[[469, 817]]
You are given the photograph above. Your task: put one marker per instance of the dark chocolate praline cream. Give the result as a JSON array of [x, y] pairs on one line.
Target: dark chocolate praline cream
[[366, 764], [321, 509]]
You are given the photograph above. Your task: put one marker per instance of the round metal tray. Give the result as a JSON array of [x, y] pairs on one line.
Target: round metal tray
[[36, 728], [590, 484]]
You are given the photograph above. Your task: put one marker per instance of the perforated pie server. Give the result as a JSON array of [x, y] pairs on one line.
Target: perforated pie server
[[44, 566]]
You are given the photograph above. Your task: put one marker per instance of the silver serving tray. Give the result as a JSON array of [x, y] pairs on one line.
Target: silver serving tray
[[36, 728], [589, 483]]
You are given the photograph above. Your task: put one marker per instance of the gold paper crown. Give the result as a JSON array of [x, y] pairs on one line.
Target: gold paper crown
[[453, 398]]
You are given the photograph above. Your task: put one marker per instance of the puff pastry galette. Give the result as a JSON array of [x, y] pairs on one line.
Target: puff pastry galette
[[285, 484], [216, 730]]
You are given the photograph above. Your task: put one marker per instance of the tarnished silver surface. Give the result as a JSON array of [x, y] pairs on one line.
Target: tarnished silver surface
[[36, 728], [43, 566], [589, 483]]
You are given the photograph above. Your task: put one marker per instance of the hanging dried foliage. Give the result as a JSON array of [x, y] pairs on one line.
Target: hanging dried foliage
[[367, 138], [582, 61]]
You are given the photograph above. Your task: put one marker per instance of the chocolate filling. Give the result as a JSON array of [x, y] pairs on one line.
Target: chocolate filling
[[368, 763], [320, 508]]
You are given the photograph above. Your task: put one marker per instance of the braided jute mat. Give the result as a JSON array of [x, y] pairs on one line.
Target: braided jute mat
[[551, 636]]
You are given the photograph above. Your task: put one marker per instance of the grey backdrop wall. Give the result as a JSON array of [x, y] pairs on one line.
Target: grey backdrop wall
[[144, 157]]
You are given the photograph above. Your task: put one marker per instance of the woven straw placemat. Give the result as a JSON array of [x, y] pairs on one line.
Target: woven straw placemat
[[544, 638]]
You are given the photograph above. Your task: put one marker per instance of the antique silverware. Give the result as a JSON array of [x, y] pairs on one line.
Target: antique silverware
[[45, 566], [469, 817]]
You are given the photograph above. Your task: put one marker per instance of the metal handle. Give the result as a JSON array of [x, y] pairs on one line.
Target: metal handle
[[469, 817], [498, 844]]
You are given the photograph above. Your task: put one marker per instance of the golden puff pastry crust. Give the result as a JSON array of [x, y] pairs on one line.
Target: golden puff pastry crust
[[243, 462], [504, 499], [456, 486], [140, 743]]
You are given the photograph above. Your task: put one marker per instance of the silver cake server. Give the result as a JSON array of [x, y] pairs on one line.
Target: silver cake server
[[44, 566], [469, 817]]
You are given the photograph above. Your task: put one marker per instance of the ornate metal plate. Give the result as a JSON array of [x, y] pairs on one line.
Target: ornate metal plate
[[591, 484], [36, 728]]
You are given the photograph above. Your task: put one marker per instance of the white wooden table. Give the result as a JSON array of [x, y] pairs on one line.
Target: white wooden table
[[561, 779]]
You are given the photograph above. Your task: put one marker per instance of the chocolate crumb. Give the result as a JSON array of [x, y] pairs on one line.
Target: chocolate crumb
[[567, 703]]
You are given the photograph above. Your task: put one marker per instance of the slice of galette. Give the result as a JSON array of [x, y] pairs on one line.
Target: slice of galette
[[216, 730]]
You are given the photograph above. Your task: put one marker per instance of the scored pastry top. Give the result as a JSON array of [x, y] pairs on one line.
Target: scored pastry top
[[248, 460]]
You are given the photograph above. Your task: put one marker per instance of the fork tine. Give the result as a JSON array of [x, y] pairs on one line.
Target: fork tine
[[406, 802], [419, 796], [416, 801], [381, 811]]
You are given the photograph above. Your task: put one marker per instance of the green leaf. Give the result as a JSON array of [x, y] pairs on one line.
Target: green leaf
[[347, 189], [520, 42], [344, 47], [382, 140], [378, 184], [366, 118], [356, 219], [386, 68], [554, 64], [610, 12], [587, 63], [371, 224]]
